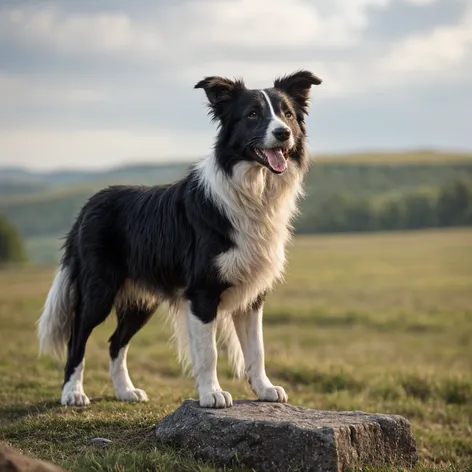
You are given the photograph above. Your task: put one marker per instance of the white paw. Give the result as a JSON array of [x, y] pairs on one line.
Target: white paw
[[74, 399], [272, 394], [216, 400], [135, 395]]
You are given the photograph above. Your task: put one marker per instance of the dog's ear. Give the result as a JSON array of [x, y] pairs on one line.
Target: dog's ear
[[297, 86], [220, 91]]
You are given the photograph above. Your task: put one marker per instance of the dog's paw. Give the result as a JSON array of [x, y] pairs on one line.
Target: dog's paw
[[272, 394], [216, 400], [74, 399], [134, 395]]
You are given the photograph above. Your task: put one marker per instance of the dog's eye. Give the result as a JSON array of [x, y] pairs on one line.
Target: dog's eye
[[253, 115], [289, 115]]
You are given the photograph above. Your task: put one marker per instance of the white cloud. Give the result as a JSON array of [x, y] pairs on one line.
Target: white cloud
[[443, 52], [188, 34], [191, 28], [44, 148], [421, 2], [283, 24], [77, 33], [266, 23], [179, 44]]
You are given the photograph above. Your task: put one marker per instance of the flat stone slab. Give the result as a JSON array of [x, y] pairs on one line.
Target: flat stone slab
[[281, 437]]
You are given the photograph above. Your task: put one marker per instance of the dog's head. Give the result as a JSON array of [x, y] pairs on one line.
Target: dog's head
[[262, 126]]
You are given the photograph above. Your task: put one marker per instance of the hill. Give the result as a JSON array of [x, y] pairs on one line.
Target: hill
[[360, 192]]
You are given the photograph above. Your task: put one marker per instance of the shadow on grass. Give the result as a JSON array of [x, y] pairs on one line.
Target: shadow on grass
[[17, 411], [14, 412], [403, 323], [322, 382]]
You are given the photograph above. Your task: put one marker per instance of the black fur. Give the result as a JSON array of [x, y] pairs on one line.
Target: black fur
[[231, 103], [130, 321], [161, 237], [166, 238]]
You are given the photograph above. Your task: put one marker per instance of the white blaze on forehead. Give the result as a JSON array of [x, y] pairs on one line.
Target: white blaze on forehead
[[271, 108], [275, 122]]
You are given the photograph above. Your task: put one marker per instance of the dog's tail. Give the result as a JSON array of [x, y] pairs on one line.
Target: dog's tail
[[229, 338], [55, 324]]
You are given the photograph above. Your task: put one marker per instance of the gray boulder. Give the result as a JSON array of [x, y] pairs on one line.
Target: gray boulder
[[281, 437]]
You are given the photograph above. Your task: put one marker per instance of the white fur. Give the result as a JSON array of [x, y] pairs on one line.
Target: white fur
[[124, 388], [178, 318], [225, 332], [270, 140], [226, 335], [202, 340], [73, 390], [259, 205], [54, 325], [249, 328]]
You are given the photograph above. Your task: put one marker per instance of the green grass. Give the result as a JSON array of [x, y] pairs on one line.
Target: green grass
[[373, 322]]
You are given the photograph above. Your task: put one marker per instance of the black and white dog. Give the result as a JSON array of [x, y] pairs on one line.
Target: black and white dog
[[210, 245]]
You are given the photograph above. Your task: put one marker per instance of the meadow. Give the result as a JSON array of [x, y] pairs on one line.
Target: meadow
[[380, 322]]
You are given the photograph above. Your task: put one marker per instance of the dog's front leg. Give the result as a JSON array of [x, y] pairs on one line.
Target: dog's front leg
[[248, 326], [202, 337]]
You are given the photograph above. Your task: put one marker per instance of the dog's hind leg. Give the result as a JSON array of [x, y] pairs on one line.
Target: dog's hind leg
[[131, 318], [95, 301]]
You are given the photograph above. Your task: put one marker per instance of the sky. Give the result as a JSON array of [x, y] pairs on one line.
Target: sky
[[94, 84]]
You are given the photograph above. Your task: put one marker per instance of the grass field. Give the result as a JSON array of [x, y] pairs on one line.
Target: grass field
[[403, 157], [373, 322]]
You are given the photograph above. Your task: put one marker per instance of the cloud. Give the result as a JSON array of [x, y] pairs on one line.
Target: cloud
[[442, 52], [282, 24], [191, 27], [77, 33], [95, 82], [421, 2]]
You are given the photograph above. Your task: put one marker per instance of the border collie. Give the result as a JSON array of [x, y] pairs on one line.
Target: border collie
[[210, 245]]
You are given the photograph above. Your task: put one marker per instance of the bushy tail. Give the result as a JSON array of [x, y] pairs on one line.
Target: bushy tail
[[229, 338], [55, 324]]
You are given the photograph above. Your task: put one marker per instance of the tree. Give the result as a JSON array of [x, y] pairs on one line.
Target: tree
[[454, 203], [11, 244]]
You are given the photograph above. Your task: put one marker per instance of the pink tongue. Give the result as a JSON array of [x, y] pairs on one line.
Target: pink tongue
[[276, 159]]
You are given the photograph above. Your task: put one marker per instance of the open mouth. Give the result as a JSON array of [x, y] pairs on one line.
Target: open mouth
[[274, 158]]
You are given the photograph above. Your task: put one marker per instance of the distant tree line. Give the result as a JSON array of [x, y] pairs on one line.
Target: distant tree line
[[11, 244], [449, 205], [340, 197]]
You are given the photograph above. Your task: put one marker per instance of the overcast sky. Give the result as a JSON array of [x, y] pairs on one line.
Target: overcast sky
[[87, 83]]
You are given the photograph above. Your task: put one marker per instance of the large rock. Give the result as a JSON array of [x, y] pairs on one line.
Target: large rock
[[280, 437], [11, 460]]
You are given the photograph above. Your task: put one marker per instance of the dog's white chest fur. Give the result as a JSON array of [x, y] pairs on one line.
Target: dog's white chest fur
[[259, 205], [252, 267]]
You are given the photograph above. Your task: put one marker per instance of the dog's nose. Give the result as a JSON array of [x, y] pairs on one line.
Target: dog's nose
[[282, 133]]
